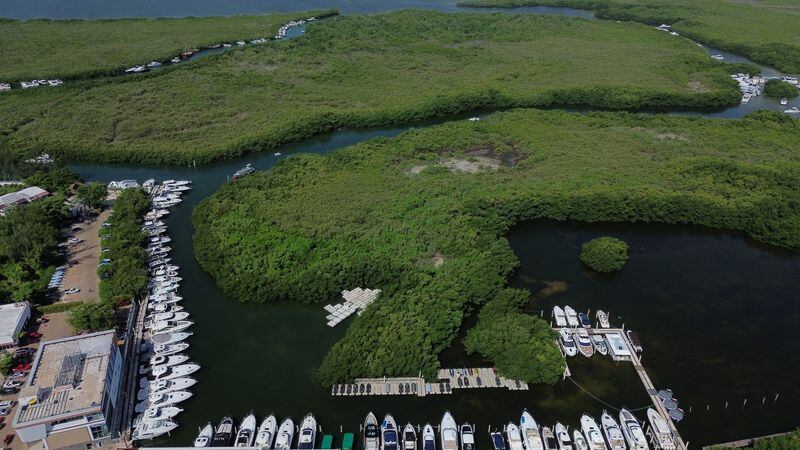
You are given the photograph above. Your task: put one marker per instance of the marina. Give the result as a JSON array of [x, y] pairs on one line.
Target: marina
[[447, 381]]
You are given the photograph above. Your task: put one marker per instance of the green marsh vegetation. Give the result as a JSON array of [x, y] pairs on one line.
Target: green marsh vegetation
[[359, 71], [423, 217], [604, 254], [45, 48], [764, 31], [780, 89]]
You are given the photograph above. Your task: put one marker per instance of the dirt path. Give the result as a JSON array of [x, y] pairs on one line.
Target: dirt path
[[83, 260]]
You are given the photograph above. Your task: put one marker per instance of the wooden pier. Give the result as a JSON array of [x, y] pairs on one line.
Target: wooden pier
[[447, 381]]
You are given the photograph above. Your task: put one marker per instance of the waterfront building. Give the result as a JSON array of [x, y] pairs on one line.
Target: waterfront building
[[13, 317]]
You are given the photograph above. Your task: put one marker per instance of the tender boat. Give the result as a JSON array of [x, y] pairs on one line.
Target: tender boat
[[467, 437], [660, 429], [150, 430], [388, 433], [409, 438], [602, 319], [614, 436], [428, 438], [514, 437], [592, 433], [203, 438], [266, 432], [448, 432], [498, 443], [154, 413], [567, 342], [224, 433], [247, 432], [633, 431], [530, 432], [308, 433], [562, 437], [371, 433], [584, 342], [584, 319], [559, 316], [285, 436], [600, 344], [578, 441], [549, 439], [572, 316]]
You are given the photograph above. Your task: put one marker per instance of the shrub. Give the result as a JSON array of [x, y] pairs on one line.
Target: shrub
[[92, 317], [92, 195], [6, 363], [605, 254], [780, 89]]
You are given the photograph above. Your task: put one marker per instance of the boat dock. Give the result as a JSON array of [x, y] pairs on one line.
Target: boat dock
[[448, 380], [354, 301]]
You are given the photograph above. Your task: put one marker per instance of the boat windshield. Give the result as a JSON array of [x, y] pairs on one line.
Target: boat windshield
[[371, 431], [389, 437]]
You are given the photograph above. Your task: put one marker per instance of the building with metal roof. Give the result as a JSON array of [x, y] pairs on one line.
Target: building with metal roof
[[13, 317]]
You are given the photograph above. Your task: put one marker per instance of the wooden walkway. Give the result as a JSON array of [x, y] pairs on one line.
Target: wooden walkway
[[448, 380]]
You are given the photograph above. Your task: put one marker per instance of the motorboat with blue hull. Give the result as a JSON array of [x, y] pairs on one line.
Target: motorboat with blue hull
[[498, 443], [428, 438]]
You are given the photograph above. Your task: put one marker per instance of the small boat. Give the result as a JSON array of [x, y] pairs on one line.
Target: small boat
[[584, 342], [428, 438], [224, 434], [614, 436], [562, 437], [635, 342], [584, 319], [572, 316], [592, 433], [247, 432], [549, 439], [278, 153], [409, 438], [168, 315], [371, 434], [347, 441], [718, 57], [150, 430], [308, 433], [514, 437], [244, 171], [792, 110], [578, 441], [467, 437], [203, 438], [633, 431], [530, 432], [602, 318], [746, 98], [285, 436], [155, 413], [327, 442], [784, 101], [266, 432], [660, 429], [599, 344], [388, 433], [559, 316], [567, 342], [448, 432], [498, 443]]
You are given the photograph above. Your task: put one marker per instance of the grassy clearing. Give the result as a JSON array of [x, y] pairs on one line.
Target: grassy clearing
[[404, 215], [764, 31], [46, 48], [363, 71]]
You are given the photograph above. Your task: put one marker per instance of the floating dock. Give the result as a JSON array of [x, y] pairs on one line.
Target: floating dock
[[354, 301], [448, 380]]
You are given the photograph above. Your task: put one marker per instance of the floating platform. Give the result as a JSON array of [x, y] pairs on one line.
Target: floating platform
[[448, 380], [355, 300]]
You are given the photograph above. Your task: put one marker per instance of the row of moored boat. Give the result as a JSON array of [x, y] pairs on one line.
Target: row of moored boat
[[164, 368]]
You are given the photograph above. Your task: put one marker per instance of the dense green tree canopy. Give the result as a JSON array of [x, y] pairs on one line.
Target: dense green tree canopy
[[92, 195], [605, 254], [92, 317], [780, 89]]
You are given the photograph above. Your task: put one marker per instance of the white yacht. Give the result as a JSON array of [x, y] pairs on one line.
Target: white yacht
[[223, 434], [172, 360], [169, 349], [559, 316], [578, 441], [467, 437], [154, 413], [549, 439], [530, 432], [599, 344], [203, 438], [660, 429], [792, 110], [594, 438], [247, 432], [153, 429], [308, 433], [389, 439], [169, 372], [161, 399], [170, 326], [514, 438], [584, 342], [372, 439], [169, 315], [572, 316], [633, 431], [266, 432], [409, 437], [567, 342], [784, 101], [562, 437], [448, 432], [162, 386], [428, 438], [611, 430], [169, 338], [602, 319], [285, 436]]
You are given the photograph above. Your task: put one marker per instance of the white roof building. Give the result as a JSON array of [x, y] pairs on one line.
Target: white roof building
[[13, 317]]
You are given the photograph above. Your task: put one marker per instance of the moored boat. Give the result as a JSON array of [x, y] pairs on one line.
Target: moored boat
[[308, 433], [389, 439], [567, 342], [247, 432], [467, 437], [584, 342], [224, 434], [150, 430], [562, 437], [594, 438], [549, 439], [155, 413], [428, 438], [614, 436], [371, 433], [530, 432], [244, 171], [205, 435], [660, 429], [559, 317], [633, 431], [448, 432], [602, 319], [266, 432], [285, 436], [599, 344], [498, 443], [572, 316], [578, 441], [409, 438], [514, 437]]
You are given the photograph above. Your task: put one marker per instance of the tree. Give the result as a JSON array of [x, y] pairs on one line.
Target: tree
[[92, 195], [6, 363], [54, 180], [604, 254], [92, 317], [780, 89]]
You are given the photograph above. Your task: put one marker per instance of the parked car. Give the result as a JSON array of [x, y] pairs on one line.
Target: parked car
[[12, 384], [17, 375], [7, 403], [5, 411], [22, 367]]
